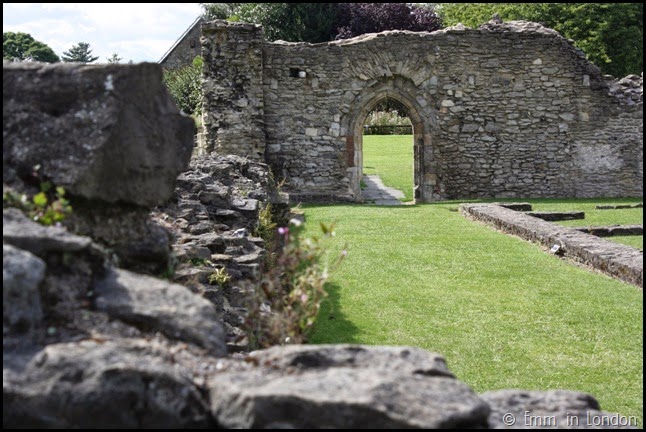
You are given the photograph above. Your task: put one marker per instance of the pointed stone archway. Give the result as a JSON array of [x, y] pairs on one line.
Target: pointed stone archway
[[508, 110], [425, 176]]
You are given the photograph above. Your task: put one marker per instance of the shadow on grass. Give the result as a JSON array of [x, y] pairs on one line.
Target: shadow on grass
[[332, 326]]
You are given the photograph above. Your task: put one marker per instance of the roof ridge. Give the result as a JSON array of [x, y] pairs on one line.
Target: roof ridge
[[177, 42]]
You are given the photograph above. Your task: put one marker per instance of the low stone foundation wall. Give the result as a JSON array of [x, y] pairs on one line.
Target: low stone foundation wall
[[617, 260], [614, 230]]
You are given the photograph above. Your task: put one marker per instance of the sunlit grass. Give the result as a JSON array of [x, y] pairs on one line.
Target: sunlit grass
[[390, 157], [503, 312], [594, 217]]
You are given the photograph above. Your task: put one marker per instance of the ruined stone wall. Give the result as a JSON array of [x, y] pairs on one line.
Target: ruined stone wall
[[88, 344], [506, 110], [233, 116]]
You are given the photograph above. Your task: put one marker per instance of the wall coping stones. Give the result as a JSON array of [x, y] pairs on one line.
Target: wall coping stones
[[620, 206]]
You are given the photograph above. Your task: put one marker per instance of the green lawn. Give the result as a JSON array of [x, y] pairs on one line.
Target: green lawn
[[390, 157], [635, 241], [595, 217], [504, 313]]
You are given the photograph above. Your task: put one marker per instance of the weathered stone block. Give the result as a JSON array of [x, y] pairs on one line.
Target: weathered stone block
[[105, 132]]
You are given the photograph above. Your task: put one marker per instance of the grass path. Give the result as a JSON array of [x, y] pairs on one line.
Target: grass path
[[390, 157], [503, 312]]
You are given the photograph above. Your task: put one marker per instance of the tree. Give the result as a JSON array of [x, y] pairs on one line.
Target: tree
[[321, 22], [80, 53], [115, 59], [295, 22], [611, 34], [23, 46], [219, 10], [359, 18]]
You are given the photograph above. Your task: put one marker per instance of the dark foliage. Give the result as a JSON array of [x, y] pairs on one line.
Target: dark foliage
[[321, 22], [354, 19]]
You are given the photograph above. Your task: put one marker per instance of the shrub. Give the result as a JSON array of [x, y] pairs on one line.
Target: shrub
[[283, 306], [355, 19], [185, 86], [387, 118], [387, 123]]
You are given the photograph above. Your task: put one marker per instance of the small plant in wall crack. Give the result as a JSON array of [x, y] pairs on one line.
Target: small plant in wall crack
[[266, 229], [284, 304], [47, 207], [199, 262], [220, 277]]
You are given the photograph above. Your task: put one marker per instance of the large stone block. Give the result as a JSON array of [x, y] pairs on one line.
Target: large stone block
[[106, 132], [100, 384], [154, 304], [345, 386], [22, 273]]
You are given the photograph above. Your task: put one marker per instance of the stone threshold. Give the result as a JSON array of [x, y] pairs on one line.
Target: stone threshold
[[616, 260]]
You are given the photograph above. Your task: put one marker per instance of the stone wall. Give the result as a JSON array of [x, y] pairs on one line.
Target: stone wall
[[505, 110], [88, 344], [185, 49], [233, 117]]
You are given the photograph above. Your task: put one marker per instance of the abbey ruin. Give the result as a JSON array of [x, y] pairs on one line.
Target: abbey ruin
[[506, 110], [111, 317]]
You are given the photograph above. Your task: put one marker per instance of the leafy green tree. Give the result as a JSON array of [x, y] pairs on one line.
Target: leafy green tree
[[611, 34], [23, 46], [220, 10], [79, 53], [185, 86], [114, 59], [296, 22]]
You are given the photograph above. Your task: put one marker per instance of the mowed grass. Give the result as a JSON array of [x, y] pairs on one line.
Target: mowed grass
[[594, 217], [503, 312], [390, 157]]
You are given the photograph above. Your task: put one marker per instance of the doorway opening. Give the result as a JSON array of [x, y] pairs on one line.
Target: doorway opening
[[388, 156]]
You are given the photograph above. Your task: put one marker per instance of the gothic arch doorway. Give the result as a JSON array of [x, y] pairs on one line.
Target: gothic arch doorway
[[425, 179]]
